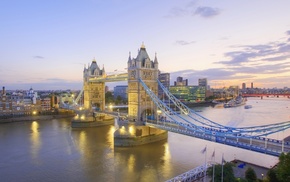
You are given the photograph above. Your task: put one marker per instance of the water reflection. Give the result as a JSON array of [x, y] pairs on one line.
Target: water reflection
[[89, 154], [96, 149], [35, 141], [142, 163]]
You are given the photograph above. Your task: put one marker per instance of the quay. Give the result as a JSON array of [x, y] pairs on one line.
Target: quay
[[239, 168], [35, 117]]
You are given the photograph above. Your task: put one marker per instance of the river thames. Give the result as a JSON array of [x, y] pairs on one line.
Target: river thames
[[53, 151]]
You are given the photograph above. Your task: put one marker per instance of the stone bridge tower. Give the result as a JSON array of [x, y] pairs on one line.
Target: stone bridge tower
[[140, 105], [94, 92]]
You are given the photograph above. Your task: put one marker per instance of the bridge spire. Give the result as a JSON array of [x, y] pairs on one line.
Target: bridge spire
[[129, 59], [155, 59], [142, 46]]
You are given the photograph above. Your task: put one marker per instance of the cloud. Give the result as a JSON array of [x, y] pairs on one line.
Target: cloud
[[206, 12], [182, 42], [38, 57], [247, 62], [288, 32], [257, 54], [192, 9], [177, 12]]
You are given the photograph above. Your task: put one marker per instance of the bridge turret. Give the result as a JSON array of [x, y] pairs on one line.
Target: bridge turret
[[129, 60], [140, 105], [155, 61], [94, 93]]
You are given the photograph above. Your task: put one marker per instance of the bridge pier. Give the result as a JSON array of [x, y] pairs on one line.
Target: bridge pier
[[140, 106], [131, 135], [91, 119]]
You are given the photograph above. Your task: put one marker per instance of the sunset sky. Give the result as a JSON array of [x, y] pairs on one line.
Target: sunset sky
[[44, 44]]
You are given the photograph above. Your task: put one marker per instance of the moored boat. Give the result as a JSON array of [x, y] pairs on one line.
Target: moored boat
[[238, 101], [248, 106]]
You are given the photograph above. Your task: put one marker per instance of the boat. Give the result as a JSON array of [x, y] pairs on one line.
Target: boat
[[248, 106], [238, 101]]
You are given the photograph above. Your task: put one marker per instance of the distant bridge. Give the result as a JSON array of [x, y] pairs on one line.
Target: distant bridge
[[267, 95]]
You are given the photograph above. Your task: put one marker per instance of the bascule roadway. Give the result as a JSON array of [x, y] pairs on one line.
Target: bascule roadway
[[257, 144]]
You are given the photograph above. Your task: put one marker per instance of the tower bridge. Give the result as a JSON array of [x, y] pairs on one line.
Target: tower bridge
[[144, 124]]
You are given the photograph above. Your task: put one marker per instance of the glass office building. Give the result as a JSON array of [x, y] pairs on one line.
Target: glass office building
[[189, 93]]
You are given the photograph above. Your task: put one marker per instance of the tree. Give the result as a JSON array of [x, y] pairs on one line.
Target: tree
[[272, 176], [228, 172], [250, 175], [283, 168], [118, 100], [109, 98]]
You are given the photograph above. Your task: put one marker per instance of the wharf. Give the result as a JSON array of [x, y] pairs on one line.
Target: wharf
[[34, 118]]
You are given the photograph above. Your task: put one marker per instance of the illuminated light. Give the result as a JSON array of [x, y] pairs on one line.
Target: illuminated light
[[34, 112], [159, 111], [110, 106], [131, 163], [131, 130], [83, 117]]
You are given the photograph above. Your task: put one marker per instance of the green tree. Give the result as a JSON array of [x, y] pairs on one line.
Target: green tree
[[109, 97], [250, 175], [227, 171], [118, 100], [272, 176], [283, 168]]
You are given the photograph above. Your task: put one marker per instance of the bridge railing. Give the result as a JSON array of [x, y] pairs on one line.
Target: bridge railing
[[191, 175]]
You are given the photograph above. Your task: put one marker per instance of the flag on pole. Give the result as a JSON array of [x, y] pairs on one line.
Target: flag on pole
[[203, 150]]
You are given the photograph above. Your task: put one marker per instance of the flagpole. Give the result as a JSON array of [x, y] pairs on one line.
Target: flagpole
[[223, 168], [205, 166], [204, 151], [213, 165]]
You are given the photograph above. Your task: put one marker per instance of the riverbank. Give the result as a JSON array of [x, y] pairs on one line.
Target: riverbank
[[34, 117]]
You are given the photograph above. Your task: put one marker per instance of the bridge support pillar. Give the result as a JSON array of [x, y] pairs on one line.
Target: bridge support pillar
[[140, 106], [131, 135]]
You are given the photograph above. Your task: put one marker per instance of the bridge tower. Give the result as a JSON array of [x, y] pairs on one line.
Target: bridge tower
[[94, 92], [140, 106]]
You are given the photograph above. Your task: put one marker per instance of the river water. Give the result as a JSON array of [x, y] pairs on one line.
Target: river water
[[53, 151]]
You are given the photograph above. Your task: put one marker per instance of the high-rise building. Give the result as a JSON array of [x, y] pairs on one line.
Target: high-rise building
[[122, 91], [243, 86], [252, 85], [202, 82], [180, 82], [164, 78], [189, 94]]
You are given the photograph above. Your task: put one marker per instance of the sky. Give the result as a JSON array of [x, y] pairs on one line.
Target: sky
[[45, 44]]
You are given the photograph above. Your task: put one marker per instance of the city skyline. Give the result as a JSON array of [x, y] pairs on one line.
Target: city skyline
[[46, 44]]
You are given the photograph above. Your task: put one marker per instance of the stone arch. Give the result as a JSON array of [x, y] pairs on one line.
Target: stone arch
[[147, 113]]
